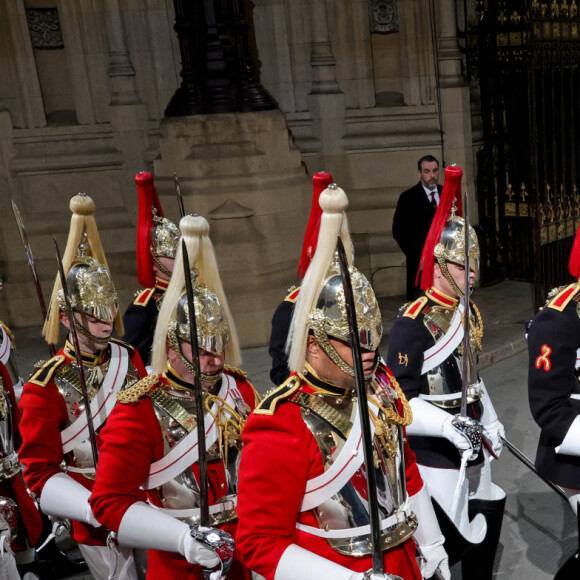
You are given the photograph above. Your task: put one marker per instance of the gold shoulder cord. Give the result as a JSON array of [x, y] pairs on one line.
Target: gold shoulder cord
[[228, 422], [386, 426], [138, 390], [476, 327]]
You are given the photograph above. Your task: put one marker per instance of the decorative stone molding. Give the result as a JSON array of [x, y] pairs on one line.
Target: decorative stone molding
[[384, 15], [44, 27]]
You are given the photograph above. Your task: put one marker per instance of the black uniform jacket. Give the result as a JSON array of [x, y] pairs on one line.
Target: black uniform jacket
[[279, 370], [409, 338], [140, 319], [411, 223], [553, 339]]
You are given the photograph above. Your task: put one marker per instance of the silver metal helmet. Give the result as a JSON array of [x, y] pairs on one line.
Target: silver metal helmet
[[451, 246], [212, 326], [329, 318], [91, 290], [165, 237]]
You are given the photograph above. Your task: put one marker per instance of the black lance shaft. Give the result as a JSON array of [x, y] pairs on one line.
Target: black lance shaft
[[529, 464], [31, 265], [179, 194], [466, 313], [198, 391], [75, 338], [363, 411]]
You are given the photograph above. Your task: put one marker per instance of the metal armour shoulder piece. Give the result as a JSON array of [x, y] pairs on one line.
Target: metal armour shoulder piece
[[283, 392], [45, 373]]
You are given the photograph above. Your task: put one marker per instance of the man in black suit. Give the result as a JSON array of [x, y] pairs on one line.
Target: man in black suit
[[413, 216]]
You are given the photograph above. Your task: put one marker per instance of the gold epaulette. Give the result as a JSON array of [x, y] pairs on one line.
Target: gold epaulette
[[414, 308], [283, 392], [128, 346], [563, 296], [236, 372], [292, 294], [140, 389], [45, 373], [143, 297]]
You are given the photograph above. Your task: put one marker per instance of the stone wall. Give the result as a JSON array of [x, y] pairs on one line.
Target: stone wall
[[357, 98]]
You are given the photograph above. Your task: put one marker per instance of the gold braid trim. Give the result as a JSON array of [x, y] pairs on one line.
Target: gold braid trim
[[391, 416], [477, 327], [138, 390]]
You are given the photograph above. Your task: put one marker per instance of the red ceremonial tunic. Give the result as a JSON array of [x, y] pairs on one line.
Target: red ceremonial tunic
[[44, 416], [279, 456], [132, 441]]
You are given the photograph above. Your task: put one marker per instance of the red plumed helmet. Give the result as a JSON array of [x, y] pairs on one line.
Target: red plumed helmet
[[451, 190], [320, 181], [148, 201], [574, 263]]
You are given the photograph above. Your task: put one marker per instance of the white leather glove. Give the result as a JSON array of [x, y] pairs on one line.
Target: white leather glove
[[66, 498], [434, 557], [493, 434], [431, 421], [143, 526], [296, 562], [571, 442], [429, 537], [196, 553], [459, 438]]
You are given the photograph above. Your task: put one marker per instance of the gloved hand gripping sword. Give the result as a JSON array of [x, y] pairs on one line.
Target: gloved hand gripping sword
[[79, 360], [363, 411], [464, 424], [215, 539]]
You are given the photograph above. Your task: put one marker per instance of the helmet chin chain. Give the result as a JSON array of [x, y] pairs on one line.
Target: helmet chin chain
[[446, 274], [333, 355], [161, 267], [96, 339], [176, 345]]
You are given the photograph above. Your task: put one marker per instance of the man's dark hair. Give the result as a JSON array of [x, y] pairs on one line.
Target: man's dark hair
[[428, 159]]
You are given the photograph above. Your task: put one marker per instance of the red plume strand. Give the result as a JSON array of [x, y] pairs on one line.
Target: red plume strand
[[451, 190], [574, 263], [320, 181], [148, 199]]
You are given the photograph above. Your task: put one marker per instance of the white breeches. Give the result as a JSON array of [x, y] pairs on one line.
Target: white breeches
[[120, 563], [452, 490]]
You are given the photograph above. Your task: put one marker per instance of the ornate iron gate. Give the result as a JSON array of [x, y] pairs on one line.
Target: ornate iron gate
[[525, 54]]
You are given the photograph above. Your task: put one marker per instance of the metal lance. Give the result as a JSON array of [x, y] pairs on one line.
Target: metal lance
[[32, 266], [179, 195], [198, 391], [466, 312], [529, 464], [363, 411], [75, 338]]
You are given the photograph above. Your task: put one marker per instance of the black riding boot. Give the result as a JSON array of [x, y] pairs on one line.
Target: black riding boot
[[478, 563]]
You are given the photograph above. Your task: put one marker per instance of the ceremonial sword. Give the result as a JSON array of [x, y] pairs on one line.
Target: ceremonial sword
[[79, 359], [217, 540], [363, 411], [32, 266], [179, 195], [198, 392]]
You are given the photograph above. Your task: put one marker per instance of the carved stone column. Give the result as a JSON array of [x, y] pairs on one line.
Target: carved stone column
[[121, 71]]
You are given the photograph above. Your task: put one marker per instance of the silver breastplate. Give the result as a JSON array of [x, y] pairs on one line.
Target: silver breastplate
[[183, 492], [9, 464], [329, 421], [69, 385], [446, 378]]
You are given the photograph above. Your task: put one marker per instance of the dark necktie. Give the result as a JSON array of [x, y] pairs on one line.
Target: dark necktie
[[433, 202]]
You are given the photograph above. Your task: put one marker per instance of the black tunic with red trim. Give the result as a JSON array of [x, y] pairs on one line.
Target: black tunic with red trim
[[279, 370], [553, 341], [409, 338], [140, 319]]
